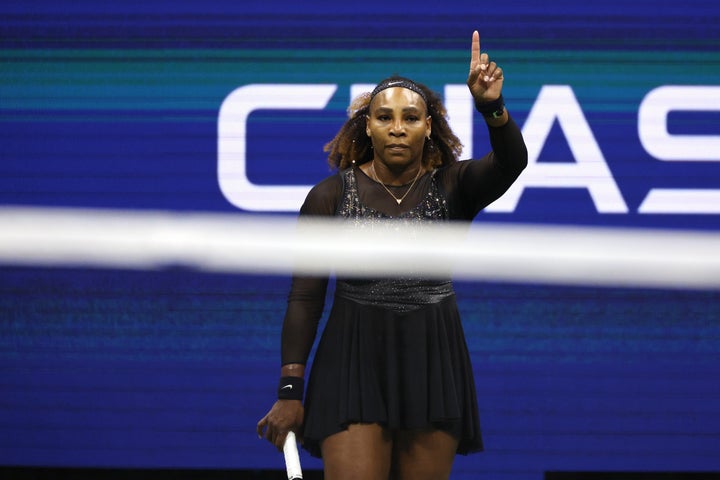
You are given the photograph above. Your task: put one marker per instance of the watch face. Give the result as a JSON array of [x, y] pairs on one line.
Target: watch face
[[495, 114], [498, 113]]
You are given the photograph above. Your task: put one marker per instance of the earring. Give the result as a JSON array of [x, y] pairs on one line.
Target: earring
[[430, 143]]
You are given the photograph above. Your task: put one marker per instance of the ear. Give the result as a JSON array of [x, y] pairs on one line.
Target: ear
[[428, 126], [367, 126]]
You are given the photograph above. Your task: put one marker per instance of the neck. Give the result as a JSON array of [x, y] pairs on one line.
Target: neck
[[396, 177]]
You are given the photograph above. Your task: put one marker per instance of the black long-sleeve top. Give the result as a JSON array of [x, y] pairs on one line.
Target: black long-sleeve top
[[468, 185]]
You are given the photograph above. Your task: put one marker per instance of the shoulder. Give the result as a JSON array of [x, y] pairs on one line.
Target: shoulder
[[454, 169], [323, 198], [329, 186]]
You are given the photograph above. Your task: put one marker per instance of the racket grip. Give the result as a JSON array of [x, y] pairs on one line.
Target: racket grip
[[292, 458]]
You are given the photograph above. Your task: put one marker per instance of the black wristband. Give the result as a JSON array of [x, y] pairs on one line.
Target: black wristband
[[291, 388], [493, 109]]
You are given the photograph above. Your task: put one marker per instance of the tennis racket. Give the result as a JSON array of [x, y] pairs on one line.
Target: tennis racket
[[292, 458]]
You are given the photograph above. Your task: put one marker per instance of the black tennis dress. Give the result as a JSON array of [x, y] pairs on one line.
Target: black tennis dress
[[393, 351]]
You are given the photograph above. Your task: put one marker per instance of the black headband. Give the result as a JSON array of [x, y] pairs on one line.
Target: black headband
[[398, 82]]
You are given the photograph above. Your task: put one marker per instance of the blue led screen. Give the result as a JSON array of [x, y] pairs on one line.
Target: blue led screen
[[120, 108]]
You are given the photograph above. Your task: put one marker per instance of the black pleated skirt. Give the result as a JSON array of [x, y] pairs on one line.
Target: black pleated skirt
[[402, 370]]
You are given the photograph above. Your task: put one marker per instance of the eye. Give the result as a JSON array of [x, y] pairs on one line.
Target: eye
[[413, 118], [383, 118]]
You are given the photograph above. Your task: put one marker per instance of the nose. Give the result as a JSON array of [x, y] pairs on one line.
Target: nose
[[397, 128]]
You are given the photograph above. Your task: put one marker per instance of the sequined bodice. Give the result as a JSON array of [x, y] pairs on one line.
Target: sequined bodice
[[433, 205], [402, 293]]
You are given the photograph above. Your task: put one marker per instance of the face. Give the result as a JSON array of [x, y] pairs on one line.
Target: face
[[398, 124]]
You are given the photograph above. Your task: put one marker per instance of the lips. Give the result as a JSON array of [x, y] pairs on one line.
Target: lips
[[396, 146]]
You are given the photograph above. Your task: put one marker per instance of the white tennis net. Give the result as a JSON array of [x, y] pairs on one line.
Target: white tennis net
[[245, 243]]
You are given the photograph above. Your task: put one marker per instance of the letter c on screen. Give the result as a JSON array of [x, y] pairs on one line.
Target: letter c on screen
[[232, 145]]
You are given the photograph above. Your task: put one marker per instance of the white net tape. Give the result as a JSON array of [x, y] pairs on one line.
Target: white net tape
[[265, 244]]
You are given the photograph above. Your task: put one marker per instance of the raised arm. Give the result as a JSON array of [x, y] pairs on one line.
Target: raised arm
[[481, 182]]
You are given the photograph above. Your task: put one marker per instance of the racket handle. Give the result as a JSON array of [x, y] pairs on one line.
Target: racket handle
[[292, 458]]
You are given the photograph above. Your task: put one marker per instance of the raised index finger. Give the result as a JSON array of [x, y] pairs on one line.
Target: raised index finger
[[475, 51]]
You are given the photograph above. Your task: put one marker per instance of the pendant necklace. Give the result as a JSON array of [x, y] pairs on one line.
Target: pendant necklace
[[398, 200]]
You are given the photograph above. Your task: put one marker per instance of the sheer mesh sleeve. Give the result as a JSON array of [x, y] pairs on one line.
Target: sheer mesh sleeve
[[307, 293], [478, 183]]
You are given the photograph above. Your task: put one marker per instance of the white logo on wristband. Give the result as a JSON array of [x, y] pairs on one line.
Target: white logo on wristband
[[286, 386]]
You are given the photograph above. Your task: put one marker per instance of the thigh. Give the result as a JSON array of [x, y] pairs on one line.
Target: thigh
[[363, 451], [423, 454]]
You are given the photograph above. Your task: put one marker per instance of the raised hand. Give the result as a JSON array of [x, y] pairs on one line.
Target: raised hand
[[485, 79]]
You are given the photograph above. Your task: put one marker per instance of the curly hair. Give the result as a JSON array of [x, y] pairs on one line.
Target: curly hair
[[352, 144]]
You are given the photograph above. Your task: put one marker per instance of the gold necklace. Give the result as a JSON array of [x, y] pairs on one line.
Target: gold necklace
[[398, 200]]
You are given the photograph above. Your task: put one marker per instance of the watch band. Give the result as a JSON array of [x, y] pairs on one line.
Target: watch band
[[493, 109]]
